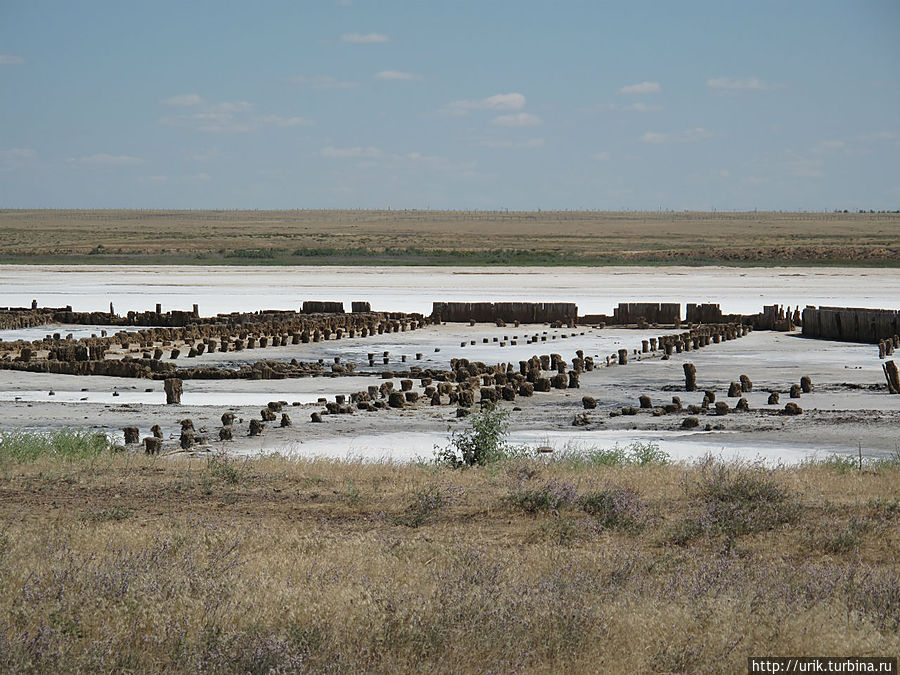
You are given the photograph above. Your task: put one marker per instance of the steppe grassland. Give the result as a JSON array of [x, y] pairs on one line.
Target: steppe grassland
[[115, 561], [447, 236]]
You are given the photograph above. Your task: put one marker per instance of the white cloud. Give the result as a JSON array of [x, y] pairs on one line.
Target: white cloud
[[17, 155], [880, 137], [642, 107], [512, 101], [201, 177], [521, 119], [10, 60], [729, 84], [641, 88], [153, 180], [828, 147], [211, 121], [365, 39], [601, 156], [396, 75], [231, 106], [515, 144], [102, 159], [226, 117], [631, 107], [356, 152], [184, 100], [279, 121], [321, 82], [804, 167], [688, 136]]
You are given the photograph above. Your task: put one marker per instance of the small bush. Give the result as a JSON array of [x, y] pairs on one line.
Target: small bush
[[224, 468], [424, 505], [615, 508], [482, 441], [734, 499], [552, 496], [835, 537]]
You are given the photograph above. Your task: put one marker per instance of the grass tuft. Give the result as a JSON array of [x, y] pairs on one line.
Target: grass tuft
[[29, 446]]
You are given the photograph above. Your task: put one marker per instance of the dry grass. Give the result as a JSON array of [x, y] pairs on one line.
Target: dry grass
[[121, 562], [436, 237]]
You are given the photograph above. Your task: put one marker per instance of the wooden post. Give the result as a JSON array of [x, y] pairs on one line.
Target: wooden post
[[893, 377]]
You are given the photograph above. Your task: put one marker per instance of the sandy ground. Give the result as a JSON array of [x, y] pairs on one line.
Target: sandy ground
[[849, 407]]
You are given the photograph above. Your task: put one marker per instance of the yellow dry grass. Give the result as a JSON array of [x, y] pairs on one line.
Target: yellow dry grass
[[129, 563]]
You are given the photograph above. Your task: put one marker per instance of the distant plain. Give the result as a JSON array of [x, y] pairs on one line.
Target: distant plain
[[449, 237]]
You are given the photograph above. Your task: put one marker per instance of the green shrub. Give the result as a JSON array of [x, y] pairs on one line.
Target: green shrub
[[636, 453], [482, 441], [28, 446], [224, 468]]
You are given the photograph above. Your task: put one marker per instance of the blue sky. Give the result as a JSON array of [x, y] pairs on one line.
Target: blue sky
[[467, 104]]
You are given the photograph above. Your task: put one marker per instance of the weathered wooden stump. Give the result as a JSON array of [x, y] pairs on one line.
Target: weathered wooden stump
[[152, 445], [589, 402], [721, 408], [174, 389], [690, 423], [623, 357], [795, 391], [559, 381], [806, 384], [746, 384], [396, 399], [690, 377], [892, 376], [187, 438], [645, 401], [742, 404], [734, 390]]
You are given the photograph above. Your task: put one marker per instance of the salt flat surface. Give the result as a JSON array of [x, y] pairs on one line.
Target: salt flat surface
[[412, 289]]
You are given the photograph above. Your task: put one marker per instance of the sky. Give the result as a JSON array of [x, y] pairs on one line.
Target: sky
[[458, 104]]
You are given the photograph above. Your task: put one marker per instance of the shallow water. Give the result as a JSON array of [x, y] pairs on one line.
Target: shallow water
[[413, 289]]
